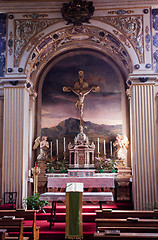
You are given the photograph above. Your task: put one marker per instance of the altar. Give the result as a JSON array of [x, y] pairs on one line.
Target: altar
[[99, 180]]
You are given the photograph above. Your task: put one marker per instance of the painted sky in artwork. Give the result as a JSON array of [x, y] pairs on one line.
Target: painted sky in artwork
[[102, 108]]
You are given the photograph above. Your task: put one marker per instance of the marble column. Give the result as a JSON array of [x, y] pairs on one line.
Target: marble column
[[143, 143], [32, 102], [1, 138], [15, 140]]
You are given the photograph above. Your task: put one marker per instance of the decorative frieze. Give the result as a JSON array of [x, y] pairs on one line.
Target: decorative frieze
[[121, 12], [155, 36], [60, 38], [10, 43], [131, 27], [147, 38], [24, 31]]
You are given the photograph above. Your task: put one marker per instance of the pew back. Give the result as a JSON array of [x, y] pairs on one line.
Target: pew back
[[27, 215], [10, 224], [125, 214]]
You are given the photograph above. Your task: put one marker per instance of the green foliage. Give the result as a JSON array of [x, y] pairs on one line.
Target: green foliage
[[52, 165], [33, 202], [105, 164]]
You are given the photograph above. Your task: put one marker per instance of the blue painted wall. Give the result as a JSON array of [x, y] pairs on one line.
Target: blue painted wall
[[2, 43]]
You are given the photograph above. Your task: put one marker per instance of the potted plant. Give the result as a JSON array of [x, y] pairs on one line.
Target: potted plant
[[33, 202], [52, 165], [100, 164], [111, 165], [105, 165], [63, 166]]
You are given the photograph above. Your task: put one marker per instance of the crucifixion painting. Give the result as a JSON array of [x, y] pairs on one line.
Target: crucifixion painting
[[81, 89]]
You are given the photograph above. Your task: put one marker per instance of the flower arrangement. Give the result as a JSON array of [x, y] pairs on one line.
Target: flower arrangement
[[53, 165], [105, 164]]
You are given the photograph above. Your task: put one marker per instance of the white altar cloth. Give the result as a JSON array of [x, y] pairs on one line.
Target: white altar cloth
[[87, 196], [89, 182]]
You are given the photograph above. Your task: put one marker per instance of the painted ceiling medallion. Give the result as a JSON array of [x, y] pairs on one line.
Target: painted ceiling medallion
[[77, 12]]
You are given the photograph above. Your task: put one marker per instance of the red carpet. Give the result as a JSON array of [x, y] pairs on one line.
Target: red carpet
[[58, 230]]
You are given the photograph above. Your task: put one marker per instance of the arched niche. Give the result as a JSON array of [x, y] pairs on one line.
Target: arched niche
[[96, 56]]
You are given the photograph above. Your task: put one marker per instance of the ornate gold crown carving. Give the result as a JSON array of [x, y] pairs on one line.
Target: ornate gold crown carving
[[77, 12]]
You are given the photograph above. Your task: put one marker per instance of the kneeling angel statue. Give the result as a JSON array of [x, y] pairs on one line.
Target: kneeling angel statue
[[44, 147]]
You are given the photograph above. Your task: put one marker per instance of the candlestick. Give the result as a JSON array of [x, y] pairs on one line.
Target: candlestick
[[104, 148], [36, 172], [111, 148], [98, 145], [51, 149], [64, 144], [29, 173], [57, 145]]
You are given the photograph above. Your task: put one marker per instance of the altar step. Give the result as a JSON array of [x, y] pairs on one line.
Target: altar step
[[88, 212], [60, 217], [120, 205], [61, 207], [58, 231]]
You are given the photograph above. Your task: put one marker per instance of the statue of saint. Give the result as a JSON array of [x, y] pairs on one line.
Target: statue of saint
[[81, 89], [44, 147], [121, 144]]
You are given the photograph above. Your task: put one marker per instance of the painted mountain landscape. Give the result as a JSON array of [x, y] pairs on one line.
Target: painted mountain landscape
[[69, 128], [102, 113]]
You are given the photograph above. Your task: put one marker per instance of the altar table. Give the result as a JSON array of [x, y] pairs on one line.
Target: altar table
[[87, 196], [89, 182]]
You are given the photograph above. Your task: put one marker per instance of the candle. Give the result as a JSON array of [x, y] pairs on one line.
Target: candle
[[104, 148], [57, 145], [51, 149], [111, 148], [98, 145], [64, 144], [29, 173]]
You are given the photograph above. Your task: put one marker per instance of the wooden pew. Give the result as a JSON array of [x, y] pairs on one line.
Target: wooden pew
[[131, 224], [10, 224], [113, 222], [109, 213], [2, 234], [27, 215], [125, 236]]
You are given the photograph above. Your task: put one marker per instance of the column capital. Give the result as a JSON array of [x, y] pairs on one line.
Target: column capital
[[17, 82], [141, 79]]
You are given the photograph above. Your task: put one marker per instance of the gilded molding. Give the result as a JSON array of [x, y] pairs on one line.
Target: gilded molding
[[131, 27], [35, 15], [122, 38], [10, 43], [25, 29], [34, 41], [128, 94], [66, 36], [121, 12], [147, 38]]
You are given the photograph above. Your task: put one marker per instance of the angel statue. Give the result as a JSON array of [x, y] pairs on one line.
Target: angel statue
[[44, 147], [121, 144]]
